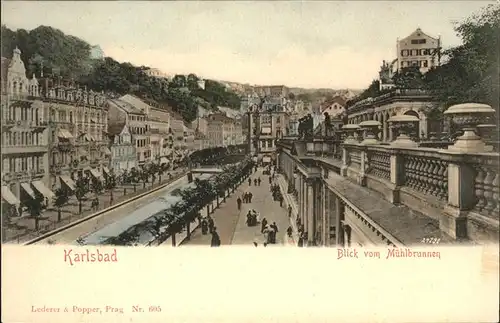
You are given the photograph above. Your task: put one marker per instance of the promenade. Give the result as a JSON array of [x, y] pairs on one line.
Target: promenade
[[231, 223]]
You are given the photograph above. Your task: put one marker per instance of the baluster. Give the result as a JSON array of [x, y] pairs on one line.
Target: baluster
[[495, 190], [444, 182], [488, 190], [431, 171], [409, 171], [438, 175], [419, 173], [479, 189]]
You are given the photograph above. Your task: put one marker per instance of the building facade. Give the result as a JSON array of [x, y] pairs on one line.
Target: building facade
[[265, 127], [334, 107], [418, 49], [123, 150], [78, 145], [25, 136], [136, 121]]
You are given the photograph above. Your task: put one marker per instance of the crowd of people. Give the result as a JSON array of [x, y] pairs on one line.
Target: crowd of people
[[208, 226]]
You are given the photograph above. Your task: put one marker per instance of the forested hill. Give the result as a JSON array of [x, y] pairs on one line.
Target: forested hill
[[64, 55]]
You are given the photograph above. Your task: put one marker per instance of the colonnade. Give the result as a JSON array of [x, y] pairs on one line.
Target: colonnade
[[320, 210]]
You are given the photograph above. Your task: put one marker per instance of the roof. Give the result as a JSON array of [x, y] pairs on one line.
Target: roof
[[337, 99], [418, 33], [115, 128], [127, 107]]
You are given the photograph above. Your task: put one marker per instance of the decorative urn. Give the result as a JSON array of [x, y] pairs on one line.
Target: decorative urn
[[349, 130], [468, 116], [371, 128], [404, 124]]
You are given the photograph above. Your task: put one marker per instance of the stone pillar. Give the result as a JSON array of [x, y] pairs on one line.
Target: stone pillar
[[325, 216], [384, 127], [310, 213], [423, 127], [461, 197], [397, 176], [339, 232]]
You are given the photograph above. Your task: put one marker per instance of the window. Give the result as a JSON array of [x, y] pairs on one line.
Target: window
[[404, 52], [421, 41], [414, 41], [425, 64]]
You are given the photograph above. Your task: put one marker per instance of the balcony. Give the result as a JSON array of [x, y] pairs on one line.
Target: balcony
[[7, 150], [8, 124]]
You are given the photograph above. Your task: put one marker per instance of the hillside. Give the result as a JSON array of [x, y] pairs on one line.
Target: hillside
[[56, 54]]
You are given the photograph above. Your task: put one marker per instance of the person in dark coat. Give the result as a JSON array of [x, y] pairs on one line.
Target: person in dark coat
[[204, 227], [263, 226], [289, 231], [289, 211], [275, 231], [281, 200], [238, 201], [270, 180], [258, 181], [215, 238], [255, 182], [211, 224], [249, 182], [250, 195]]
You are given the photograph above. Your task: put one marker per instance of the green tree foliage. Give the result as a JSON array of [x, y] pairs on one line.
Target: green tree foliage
[[409, 78], [50, 47], [471, 73]]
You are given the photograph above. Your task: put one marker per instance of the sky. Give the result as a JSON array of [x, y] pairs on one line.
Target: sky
[[312, 44]]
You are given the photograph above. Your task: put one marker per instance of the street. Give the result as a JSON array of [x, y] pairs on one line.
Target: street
[[231, 223]]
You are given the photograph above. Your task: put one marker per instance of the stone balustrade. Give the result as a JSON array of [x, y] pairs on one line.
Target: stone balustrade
[[445, 192]]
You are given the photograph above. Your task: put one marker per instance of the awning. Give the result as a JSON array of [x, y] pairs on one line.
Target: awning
[[95, 173], [164, 160], [42, 189], [9, 197], [266, 159], [106, 150], [28, 190], [67, 133], [68, 182], [266, 130], [63, 133], [105, 169]]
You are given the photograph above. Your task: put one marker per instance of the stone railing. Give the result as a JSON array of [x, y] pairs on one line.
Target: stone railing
[[425, 171], [486, 185]]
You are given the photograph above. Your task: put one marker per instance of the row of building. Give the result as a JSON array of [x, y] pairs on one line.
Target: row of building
[[53, 131]]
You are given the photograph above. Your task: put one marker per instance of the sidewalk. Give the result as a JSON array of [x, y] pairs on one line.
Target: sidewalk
[[289, 199], [231, 223]]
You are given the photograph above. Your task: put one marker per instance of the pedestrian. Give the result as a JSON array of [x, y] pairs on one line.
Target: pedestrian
[[211, 224], [204, 227], [289, 231], [289, 211], [255, 182], [270, 180], [215, 238], [275, 230], [281, 200], [250, 195], [249, 182], [263, 226], [258, 181], [238, 201]]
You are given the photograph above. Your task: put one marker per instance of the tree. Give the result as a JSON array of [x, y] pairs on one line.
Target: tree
[[81, 190], [60, 200], [35, 207], [471, 73], [97, 186], [409, 78], [110, 184]]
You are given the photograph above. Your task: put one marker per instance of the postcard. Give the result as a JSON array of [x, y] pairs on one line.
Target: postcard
[[250, 161]]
